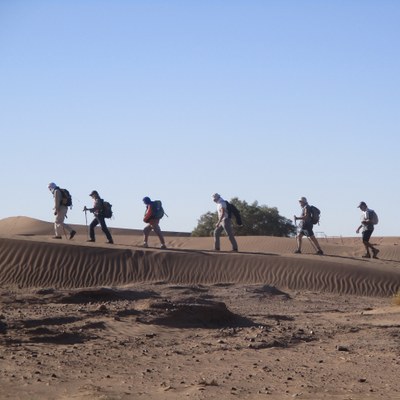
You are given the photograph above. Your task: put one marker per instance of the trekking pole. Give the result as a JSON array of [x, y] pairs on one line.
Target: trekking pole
[[309, 239], [87, 233]]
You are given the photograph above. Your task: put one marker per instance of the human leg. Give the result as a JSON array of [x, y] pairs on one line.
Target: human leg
[[299, 241], [146, 232], [105, 229], [316, 244], [93, 225], [366, 235], [157, 230], [227, 224], [217, 235]]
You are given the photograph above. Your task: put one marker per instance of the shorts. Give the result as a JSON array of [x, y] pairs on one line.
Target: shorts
[[366, 235], [307, 230]]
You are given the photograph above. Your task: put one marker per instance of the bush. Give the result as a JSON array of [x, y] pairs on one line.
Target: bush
[[257, 221]]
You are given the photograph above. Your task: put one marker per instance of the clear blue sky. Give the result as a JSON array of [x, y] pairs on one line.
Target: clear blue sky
[[261, 100]]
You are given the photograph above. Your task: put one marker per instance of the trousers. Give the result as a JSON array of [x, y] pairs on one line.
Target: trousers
[[226, 225]]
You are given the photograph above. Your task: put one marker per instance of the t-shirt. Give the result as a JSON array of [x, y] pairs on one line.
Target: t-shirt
[[307, 221], [366, 216], [221, 208]]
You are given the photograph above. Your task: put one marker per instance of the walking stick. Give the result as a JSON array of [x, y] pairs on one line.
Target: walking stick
[[309, 239], [87, 232]]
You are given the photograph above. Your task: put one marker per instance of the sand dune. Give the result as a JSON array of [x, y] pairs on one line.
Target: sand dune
[[85, 320], [30, 258]]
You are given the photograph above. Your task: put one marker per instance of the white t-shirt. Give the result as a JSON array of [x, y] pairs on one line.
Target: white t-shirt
[[221, 208]]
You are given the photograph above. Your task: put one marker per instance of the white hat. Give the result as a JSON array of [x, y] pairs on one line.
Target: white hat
[[303, 199], [52, 186]]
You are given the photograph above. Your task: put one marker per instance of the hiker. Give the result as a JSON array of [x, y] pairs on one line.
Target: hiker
[[224, 223], [154, 212], [367, 225], [99, 218], [306, 227], [60, 211]]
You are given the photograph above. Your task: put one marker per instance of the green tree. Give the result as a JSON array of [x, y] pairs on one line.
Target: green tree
[[257, 221]]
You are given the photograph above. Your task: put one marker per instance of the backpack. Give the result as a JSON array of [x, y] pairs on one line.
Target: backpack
[[66, 198], [315, 214], [107, 209], [232, 210], [373, 217], [157, 209]]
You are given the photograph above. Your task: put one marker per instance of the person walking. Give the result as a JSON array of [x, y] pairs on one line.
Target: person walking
[[306, 227], [60, 211], [98, 212], [367, 226], [224, 223], [154, 212]]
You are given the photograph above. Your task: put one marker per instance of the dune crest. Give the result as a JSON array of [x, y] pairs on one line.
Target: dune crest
[[31, 259]]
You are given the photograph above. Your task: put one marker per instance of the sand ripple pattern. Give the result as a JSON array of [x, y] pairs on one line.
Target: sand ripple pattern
[[31, 264]]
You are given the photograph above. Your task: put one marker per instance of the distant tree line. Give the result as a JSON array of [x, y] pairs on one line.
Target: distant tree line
[[257, 221]]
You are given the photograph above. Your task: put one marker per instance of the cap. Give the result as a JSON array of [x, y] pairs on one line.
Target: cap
[[216, 196], [303, 199], [52, 186], [94, 193], [362, 203], [146, 200]]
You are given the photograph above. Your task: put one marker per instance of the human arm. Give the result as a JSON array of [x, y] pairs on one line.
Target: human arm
[[57, 201], [97, 206], [148, 214], [222, 212], [305, 214]]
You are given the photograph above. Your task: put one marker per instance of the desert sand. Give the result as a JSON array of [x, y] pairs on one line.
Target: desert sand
[[85, 320]]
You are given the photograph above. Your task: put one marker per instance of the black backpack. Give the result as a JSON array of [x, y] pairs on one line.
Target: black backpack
[[232, 210], [315, 215], [66, 198], [157, 209], [107, 209]]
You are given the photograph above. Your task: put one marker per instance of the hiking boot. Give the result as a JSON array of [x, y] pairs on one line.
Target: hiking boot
[[145, 245], [375, 253], [72, 234], [319, 253], [366, 255], [297, 251], [90, 240], [56, 237], [163, 246]]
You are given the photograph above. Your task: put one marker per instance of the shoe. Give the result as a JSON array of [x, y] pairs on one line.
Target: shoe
[[297, 252], [56, 237], [319, 253], [110, 242], [235, 250], [375, 253], [72, 234], [366, 256], [90, 240], [216, 249], [145, 245], [163, 246]]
